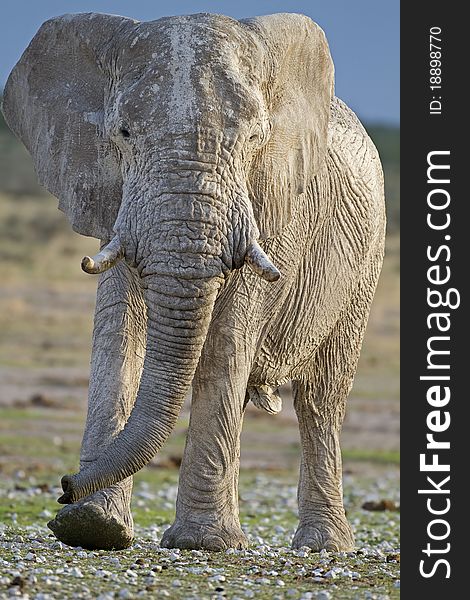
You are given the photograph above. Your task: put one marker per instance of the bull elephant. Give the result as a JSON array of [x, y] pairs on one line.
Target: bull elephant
[[241, 213]]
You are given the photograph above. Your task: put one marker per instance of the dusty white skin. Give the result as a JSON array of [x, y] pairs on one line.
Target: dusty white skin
[[197, 144]]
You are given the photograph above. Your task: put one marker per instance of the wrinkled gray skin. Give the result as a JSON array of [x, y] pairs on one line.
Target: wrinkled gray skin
[[187, 140]]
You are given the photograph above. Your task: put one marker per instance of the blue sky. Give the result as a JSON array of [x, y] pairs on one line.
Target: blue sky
[[363, 37]]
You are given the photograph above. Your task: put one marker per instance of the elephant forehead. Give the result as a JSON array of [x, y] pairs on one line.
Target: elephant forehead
[[176, 71]]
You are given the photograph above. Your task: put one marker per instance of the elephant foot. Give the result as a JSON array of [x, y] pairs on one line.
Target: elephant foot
[[196, 536], [332, 533], [102, 521]]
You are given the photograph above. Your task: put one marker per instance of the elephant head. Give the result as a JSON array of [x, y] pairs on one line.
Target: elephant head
[[181, 142]]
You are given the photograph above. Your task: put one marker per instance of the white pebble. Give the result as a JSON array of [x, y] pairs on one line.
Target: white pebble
[[355, 575], [57, 545], [102, 573], [330, 574]]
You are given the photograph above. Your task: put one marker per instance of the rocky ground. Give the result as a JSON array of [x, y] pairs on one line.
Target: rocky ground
[[34, 565]]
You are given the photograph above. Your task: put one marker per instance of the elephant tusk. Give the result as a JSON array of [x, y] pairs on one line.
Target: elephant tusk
[[259, 263], [105, 259]]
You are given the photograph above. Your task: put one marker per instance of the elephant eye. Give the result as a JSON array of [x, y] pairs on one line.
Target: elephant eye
[[258, 135], [124, 132]]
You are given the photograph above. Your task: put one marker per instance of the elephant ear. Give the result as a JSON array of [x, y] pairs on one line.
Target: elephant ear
[[298, 88], [54, 102]]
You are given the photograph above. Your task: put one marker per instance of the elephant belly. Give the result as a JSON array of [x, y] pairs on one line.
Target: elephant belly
[[284, 357], [309, 312], [289, 346]]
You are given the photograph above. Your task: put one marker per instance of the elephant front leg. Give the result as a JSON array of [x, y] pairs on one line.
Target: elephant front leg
[[207, 505], [103, 520]]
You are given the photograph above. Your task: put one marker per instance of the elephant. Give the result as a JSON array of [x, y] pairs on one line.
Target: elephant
[[240, 209]]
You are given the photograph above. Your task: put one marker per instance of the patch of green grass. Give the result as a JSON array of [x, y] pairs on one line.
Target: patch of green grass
[[374, 456], [27, 511], [36, 446], [19, 415]]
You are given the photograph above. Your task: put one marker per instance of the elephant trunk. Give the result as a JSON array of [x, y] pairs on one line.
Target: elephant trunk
[[178, 313], [182, 267]]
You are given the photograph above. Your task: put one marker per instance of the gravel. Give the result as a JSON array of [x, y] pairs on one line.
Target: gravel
[[35, 566]]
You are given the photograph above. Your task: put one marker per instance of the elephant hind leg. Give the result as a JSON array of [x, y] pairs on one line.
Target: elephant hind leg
[[320, 402], [322, 519]]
